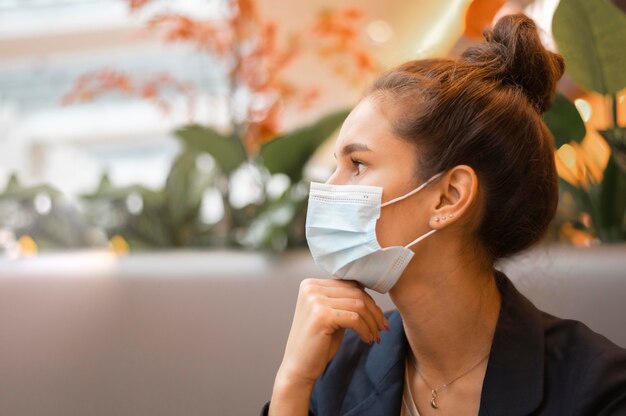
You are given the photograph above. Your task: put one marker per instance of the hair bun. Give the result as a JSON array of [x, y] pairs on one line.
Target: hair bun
[[513, 54]]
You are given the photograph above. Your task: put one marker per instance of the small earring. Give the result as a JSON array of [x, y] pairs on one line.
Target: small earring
[[436, 219], [450, 216]]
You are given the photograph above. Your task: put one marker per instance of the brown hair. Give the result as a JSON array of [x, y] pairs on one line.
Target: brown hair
[[484, 110]]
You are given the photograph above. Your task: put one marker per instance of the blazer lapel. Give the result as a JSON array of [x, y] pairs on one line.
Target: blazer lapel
[[513, 384], [384, 375]]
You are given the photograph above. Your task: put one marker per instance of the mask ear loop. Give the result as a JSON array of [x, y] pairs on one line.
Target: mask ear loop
[[413, 192], [418, 239]]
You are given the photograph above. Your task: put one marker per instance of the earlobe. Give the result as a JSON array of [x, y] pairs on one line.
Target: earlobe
[[440, 221]]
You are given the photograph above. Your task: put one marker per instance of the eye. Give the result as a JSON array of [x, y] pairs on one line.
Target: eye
[[359, 166]]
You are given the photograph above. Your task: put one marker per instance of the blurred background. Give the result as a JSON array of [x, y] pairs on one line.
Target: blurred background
[[146, 125], [155, 157]]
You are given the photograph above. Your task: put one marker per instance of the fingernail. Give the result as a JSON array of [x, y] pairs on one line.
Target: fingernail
[[387, 327], [378, 340]]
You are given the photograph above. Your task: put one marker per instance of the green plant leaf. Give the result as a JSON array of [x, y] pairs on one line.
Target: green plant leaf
[[289, 153], [581, 198], [272, 226], [591, 35], [227, 151], [183, 192], [612, 195], [564, 121], [107, 191], [15, 190], [613, 203], [616, 138], [148, 229]]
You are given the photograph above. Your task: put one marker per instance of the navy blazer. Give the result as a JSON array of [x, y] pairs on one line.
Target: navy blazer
[[539, 365]]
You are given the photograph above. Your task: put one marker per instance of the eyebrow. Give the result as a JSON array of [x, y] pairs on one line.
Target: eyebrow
[[354, 147]]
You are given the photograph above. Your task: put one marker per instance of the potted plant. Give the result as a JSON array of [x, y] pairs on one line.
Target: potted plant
[[254, 142]]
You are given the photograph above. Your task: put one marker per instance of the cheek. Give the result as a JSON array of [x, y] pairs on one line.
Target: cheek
[[384, 234], [395, 227]]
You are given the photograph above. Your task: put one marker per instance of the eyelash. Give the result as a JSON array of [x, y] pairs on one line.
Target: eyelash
[[357, 163]]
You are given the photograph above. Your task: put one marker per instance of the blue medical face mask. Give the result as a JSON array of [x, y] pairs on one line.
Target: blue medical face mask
[[341, 233]]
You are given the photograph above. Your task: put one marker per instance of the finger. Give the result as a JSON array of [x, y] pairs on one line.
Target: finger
[[334, 282], [350, 319], [311, 286], [374, 309], [358, 306], [380, 314], [333, 287]]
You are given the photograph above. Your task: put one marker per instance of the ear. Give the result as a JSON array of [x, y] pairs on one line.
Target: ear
[[458, 190]]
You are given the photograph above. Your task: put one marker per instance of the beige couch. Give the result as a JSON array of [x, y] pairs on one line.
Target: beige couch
[[184, 333]]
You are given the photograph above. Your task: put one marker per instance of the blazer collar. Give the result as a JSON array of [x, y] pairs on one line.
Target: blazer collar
[[513, 383]]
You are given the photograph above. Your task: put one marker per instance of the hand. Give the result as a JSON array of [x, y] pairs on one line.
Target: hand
[[325, 307]]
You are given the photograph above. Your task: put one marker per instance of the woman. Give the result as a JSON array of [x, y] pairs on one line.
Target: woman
[[452, 159]]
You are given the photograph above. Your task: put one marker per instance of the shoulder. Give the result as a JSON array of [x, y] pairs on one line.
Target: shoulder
[[569, 340], [554, 365], [592, 366], [574, 336]]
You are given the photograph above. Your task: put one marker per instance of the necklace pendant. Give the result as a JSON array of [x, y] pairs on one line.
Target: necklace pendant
[[433, 397]]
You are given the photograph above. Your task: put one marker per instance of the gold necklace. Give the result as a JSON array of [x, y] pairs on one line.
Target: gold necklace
[[435, 391]]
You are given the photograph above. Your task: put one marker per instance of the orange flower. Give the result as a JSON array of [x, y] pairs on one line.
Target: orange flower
[[308, 98], [339, 25], [339, 37], [135, 5], [352, 13], [91, 85], [363, 61], [152, 90], [214, 36], [247, 10], [260, 69], [479, 16], [263, 130], [257, 58]]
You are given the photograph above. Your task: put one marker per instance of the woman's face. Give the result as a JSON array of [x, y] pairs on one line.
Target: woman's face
[[368, 153]]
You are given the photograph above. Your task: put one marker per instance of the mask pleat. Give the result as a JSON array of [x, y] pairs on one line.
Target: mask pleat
[[336, 259], [344, 218], [338, 241]]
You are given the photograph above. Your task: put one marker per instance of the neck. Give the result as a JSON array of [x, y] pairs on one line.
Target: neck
[[449, 310]]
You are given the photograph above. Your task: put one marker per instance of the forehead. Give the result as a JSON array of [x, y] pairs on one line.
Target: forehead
[[370, 123]]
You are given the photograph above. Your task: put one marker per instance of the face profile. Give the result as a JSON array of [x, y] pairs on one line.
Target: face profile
[[341, 234], [369, 153]]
